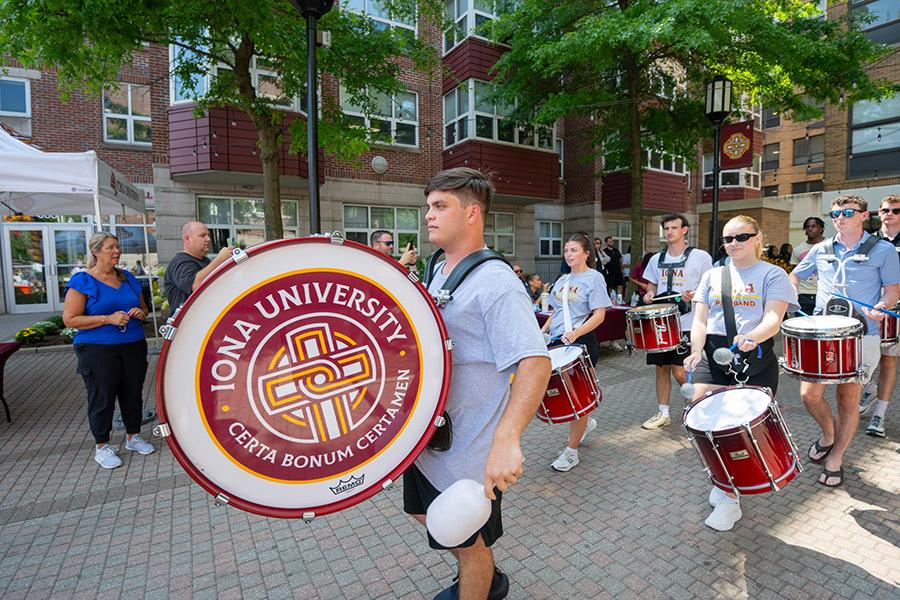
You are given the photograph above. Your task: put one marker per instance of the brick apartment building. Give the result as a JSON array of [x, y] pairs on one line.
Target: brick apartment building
[[207, 168]]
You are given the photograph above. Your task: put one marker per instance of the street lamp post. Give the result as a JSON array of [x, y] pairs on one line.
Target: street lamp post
[[718, 107], [312, 10]]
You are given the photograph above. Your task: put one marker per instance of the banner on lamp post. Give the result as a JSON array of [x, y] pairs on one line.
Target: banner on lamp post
[[736, 146]]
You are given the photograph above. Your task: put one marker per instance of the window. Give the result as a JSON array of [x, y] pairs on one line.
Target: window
[[770, 157], [809, 150], [15, 97], [403, 223], [184, 89], [662, 161], [770, 118], [130, 232], [884, 16], [746, 177], [126, 114], [875, 126], [395, 120], [549, 238], [769, 191], [377, 12], [560, 150], [241, 221], [468, 17], [500, 232], [621, 233], [469, 104], [803, 187]]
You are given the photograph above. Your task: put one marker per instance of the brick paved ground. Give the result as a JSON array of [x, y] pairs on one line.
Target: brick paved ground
[[627, 523]]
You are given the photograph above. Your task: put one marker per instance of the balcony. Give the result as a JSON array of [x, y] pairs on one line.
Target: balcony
[[518, 173], [472, 59], [221, 147], [663, 192]]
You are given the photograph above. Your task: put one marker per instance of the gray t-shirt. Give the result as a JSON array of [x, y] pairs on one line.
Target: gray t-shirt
[[751, 288], [587, 292], [492, 325], [684, 279]]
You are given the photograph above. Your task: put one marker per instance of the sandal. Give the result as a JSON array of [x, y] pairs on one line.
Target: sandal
[[839, 474], [815, 448]]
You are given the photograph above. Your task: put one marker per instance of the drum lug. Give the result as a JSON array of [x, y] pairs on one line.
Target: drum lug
[[388, 484], [221, 499], [338, 240], [439, 421], [162, 430], [308, 517], [239, 255], [167, 332], [448, 344], [413, 276]]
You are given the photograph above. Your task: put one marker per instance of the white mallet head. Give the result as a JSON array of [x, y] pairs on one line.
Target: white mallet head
[[723, 356]]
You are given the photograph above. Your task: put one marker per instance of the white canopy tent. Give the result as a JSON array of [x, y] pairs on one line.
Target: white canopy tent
[[62, 183]]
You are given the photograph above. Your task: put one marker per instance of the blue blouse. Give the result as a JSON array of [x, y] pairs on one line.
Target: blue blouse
[[103, 299]]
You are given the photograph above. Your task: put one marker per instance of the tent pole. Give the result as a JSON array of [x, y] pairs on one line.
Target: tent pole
[[150, 274], [97, 194]]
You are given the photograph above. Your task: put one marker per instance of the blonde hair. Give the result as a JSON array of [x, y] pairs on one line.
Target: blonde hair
[[95, 244], [745, 220]]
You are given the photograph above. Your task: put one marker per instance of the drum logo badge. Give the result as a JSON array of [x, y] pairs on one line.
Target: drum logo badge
[[308, 377], [660, 329], [830, 356]]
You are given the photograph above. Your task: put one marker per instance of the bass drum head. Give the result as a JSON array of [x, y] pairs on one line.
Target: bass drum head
[[303, 377]]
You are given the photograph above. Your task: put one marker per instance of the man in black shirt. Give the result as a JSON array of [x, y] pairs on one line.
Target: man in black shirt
[[189, 268], [615, 278]]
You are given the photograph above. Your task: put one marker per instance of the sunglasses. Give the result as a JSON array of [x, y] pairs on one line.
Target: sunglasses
[[846, 212], [387, 243], [517, 270], [741, 237], [895, 211]]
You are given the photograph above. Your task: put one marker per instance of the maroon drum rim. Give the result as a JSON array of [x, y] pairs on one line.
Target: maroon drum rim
[[325, 509]]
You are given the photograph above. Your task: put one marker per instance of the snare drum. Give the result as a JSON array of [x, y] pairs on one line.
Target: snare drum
[[742, 440], [654, 328], [302, 377], [823, 348], [573, 390], [890, 329]]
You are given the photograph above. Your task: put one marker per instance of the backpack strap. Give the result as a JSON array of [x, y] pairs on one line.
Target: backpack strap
[[459, 273]]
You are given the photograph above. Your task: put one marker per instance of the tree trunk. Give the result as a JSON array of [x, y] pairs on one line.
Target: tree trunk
[[632, 77], [270, 157]]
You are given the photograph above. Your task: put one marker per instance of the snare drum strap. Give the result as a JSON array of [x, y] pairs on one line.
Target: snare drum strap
[[728, 304], [460, 271]]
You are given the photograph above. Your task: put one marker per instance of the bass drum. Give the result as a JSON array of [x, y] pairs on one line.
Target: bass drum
[[302, 377]]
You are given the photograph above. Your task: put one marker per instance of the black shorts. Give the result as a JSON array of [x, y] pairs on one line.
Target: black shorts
[[717, 375], [418, 494], [672, 357]]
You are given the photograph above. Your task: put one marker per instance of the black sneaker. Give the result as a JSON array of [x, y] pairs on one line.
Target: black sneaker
[[499, 588]]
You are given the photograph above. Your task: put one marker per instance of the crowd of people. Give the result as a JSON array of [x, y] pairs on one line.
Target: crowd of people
[[500, 373]]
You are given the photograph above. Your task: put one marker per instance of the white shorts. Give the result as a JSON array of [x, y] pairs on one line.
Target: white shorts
[[871, 354], [892, 350]]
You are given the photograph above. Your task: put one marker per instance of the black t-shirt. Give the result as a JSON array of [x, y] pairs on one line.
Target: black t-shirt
[[614, 266], [179, 279]]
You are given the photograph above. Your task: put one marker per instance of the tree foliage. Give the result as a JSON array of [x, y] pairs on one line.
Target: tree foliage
[[87, 41], [638, 69]]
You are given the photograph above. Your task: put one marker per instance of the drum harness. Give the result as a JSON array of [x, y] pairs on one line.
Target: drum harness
[[838, 306], [737, 366], [443, 436], [684, 307]]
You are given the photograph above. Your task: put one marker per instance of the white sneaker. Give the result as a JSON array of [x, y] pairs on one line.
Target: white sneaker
[[107, 457], [136, 444], [876, 426], [716, 495], [724, 516], [866, 400], [566, 462], [657, 421], [592, 425], [618, 347]]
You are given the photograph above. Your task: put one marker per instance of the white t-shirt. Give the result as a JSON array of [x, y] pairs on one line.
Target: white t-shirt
[[684, 279], [587, 292], [751, 288], [805, 286]]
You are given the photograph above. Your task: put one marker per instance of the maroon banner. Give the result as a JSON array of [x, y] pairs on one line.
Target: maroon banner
[[736, 149]]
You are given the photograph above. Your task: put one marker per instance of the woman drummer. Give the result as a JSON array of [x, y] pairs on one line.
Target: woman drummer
[[584, 291], [761, 294]]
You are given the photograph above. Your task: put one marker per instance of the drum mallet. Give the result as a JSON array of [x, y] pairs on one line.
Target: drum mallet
[[724, 356], [687, 388], [884, 310]]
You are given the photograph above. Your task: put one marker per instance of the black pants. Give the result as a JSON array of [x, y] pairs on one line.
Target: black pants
[[110, 371], [807, 303]]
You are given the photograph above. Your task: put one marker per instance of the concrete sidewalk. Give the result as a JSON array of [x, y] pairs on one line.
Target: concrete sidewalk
[[626, 523]]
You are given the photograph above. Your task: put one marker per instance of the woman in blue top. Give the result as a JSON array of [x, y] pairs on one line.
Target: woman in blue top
[[106, 306], [584, 291]]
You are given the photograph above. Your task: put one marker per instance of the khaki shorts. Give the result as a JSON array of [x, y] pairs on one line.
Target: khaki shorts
[[871, 354], [892, 350]]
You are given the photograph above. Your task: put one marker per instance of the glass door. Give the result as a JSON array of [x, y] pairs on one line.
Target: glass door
[[68, 256], [27, 275]]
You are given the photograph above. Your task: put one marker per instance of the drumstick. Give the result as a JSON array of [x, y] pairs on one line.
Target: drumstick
[[803, 314], [687, 388], [655, 298], [884, 310]]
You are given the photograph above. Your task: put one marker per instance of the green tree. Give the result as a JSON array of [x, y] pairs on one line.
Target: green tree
[[635, 70], [87, 41]]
